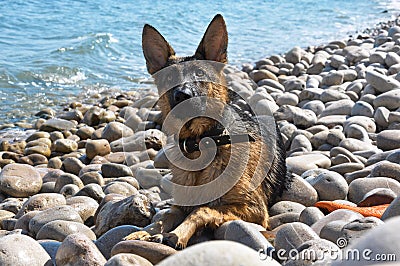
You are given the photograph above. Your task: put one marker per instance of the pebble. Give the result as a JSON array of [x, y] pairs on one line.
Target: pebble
[[72, 165], [386, 169], [92, 178], [292, 235], [122, 188], [67, 179], [332, 231], [393, 210], [380, 82], [20, 180], [85, 206], [359, 187], [99, 147], [127, 259], [65, 213], [310, 215], [300, 191], [377, 196], [134, 210], [337, 215], [109, 239], [388, 140], [56, 124], [362, 108], [330, 186], [65, 145], [315, 105], [40, 202], [340, 107], [283, 218], [390, 99], [116, 130], [93, 191], [376, 244], [22, 250], [355, 229], [283, 206], [59, 230], [153, 252], [78, 249], [300, 164], [315, 252], [218, 253], [115, 170], [246, 234]]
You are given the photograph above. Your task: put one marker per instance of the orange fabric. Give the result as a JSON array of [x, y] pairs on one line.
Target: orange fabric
[[375, 211]]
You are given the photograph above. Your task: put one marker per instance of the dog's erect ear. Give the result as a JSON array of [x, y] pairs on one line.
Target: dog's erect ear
[[214, 44], [156, 49]]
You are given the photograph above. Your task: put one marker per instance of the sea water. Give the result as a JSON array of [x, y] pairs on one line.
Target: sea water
[[53, 52]]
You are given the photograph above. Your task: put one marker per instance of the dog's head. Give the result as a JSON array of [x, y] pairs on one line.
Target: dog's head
[[187, 81]]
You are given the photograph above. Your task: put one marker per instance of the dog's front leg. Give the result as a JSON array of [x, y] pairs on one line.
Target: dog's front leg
[[200, 218], [167, 222]]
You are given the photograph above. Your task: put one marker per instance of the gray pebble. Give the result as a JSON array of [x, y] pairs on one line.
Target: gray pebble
[[78, 249], [292, 235], [341, 214], [330, 186], [217, 253], [359, 187], [20, 180], [22, 250], [242, 232], [65, 213], [112, 237], [59, 230], [300, 191], [310, 215], [127, 259], [393, 210], [388, 140]]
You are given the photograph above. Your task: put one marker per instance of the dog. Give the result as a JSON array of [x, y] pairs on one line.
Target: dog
[[242, 200]]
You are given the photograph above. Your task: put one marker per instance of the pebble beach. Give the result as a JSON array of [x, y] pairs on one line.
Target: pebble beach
[[74, 182]]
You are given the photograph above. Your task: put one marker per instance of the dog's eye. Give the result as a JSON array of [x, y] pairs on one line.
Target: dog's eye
[[199, 73]]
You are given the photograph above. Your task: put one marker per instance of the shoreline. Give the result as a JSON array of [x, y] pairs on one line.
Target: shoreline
[[69, 184]]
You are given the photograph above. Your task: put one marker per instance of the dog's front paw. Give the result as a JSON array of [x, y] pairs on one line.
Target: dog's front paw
[[172, 240], [139, 235]]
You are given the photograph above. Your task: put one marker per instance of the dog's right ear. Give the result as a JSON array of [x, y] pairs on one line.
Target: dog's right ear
[[156, 49]]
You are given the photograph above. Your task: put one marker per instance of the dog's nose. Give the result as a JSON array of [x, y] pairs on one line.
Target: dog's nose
[[182, 95]]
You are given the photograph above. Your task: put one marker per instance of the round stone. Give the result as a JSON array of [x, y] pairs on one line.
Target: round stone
[[293, 235], [20, 180], [310, 215], [361, 186], [153, 252], [65, 213], [388, 140], [106, 242], [78, 249], [65, 145], [330, 186], [59, 230], [41, 202], [127, 259], [99, 147], [22, 250], [218, 253]]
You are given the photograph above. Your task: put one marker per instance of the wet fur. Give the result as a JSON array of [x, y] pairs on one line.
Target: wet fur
[[241, 202]]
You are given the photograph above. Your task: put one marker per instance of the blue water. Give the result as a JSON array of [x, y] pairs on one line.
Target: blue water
[[54, 51]]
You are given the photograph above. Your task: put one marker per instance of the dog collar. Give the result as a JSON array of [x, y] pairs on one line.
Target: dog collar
[[190, 145]]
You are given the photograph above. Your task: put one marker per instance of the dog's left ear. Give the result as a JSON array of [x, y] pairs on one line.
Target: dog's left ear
[[214, 44]]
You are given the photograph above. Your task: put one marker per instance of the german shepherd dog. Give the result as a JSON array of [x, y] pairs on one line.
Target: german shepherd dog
[[241, 201]]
